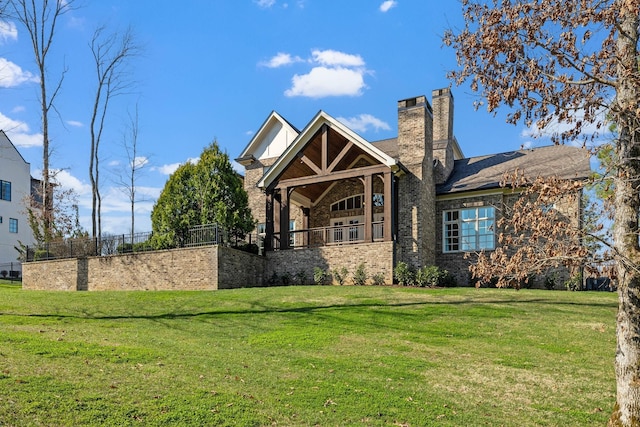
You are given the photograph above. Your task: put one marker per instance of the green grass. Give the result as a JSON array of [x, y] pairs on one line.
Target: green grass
[[306, 356]]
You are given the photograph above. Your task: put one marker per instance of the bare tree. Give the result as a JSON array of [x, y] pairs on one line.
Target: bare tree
[[547, 225], [40, 19], [111, 55], [573, 62], [134, 165]]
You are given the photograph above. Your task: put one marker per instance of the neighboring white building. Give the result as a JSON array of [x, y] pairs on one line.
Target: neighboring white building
[[15, 188]]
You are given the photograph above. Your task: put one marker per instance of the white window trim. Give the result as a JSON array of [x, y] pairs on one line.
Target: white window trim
[[460, 221]]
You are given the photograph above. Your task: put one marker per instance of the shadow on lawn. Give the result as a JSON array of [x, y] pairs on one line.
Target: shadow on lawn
[[257, 308]]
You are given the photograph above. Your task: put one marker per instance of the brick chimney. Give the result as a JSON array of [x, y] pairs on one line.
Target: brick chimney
[[416, 189], [443, 139]]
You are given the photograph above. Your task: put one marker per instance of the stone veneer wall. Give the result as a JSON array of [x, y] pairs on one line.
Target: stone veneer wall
[[202, 268], [416, 188], [257, 200], [377, 258], [458, 265], [455, 262], [55, 275]]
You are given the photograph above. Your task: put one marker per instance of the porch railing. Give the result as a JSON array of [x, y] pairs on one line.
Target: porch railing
[[326, 236]]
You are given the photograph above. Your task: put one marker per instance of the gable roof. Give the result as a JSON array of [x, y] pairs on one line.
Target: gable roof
[[5, 141], [273, 137], [320, 119], [486, 172]]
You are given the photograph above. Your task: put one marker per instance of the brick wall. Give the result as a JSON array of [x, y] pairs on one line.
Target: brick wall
[[203, 268], [415, 189], [56, 275], [377, 258], [457, 263]]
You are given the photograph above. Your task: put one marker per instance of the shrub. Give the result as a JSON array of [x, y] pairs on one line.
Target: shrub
[[301, 277], [41, 254], [273, 280], [285, 279], [360, 275], [448, 280], [574, 283], [404, 274], [4, 273], [340, 274], [433, 276], [551, 281], [320, 276], [378, 279]]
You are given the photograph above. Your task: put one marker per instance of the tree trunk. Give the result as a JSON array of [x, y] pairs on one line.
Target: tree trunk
[[627, 204]]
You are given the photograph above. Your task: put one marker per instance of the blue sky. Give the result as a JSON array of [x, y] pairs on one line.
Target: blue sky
[[215, 69]]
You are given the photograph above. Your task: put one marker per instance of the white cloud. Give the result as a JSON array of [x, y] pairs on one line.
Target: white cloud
[[27, 140], [75, 123], [166, 169], [8, 32], [364, 122], [19, 109], [171, 168], [388, 4], [265, 3], [333, 73], [68, 181], [12, 75], [19, 133], [322, 81], [335, 58], [281, 60], [140, 162]]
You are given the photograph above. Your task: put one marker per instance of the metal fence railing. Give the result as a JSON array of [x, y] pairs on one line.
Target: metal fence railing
[[11, 270], [210, 234]]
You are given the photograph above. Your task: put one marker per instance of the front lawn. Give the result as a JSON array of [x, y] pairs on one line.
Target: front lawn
[[306, 356]]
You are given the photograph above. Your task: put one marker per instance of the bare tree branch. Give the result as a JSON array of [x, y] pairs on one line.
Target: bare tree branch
[[111, 55]]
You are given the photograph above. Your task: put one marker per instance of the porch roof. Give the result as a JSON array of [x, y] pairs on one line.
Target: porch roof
[[295, 150]]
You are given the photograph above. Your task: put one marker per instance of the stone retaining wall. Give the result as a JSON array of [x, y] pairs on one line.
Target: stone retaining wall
[[202, 268]]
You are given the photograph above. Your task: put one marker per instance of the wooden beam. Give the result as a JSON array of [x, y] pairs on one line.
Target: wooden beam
[[335, 176], [388, 202], [324, 148], [269, 229], [307, 161], [284, 218], [343, 152], [368, 208]]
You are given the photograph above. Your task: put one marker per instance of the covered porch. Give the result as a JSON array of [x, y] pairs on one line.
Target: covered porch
[[329, 187]]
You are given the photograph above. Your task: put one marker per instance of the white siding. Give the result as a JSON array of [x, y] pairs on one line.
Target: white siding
[[15, 170]]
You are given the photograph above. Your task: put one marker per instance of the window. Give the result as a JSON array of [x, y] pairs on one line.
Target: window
[[292, 236], [356, 202], [5, 190], [353, 202], [13, 225], [469, 229], [261, 228]]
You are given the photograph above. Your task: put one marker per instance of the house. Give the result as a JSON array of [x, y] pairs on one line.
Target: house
[[326, 197], [15, 188]]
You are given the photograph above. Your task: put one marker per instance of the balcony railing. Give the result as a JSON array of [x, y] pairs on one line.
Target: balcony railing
[[326, 236]]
